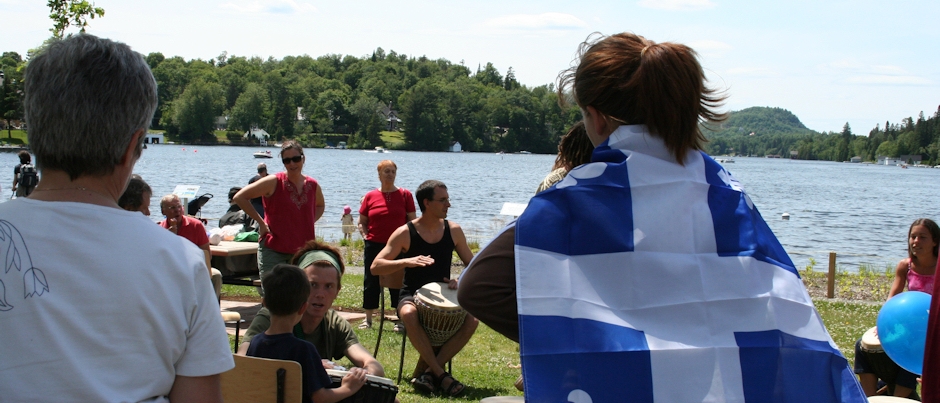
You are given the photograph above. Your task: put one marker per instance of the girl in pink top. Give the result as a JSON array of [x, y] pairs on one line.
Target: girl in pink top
[[917, 271]]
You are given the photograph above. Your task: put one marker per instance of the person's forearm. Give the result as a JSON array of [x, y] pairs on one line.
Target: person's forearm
[[374, 368]]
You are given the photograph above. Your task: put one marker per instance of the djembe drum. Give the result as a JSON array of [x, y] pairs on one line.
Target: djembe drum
[[870, 342], [438, 312], [376, 389]]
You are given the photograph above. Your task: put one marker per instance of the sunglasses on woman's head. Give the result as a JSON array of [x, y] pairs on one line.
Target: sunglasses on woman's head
[[296, 158]]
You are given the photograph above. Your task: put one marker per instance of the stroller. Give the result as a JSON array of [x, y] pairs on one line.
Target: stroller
[[194, 206]]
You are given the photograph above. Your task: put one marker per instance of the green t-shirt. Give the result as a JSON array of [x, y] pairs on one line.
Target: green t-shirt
[[331, 338]]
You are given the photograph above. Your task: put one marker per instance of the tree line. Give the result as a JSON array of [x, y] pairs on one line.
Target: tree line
[[439, 102], [761, 131]]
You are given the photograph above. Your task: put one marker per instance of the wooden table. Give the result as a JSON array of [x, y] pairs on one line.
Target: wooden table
[[238, 262]]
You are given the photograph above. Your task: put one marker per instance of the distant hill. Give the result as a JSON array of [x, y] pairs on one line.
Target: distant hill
[[761, 121]]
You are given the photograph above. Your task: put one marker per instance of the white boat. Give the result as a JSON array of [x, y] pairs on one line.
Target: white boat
[[263, 154], [726, 160], [378, 150]]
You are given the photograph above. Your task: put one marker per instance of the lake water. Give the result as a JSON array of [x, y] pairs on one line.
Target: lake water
[[862, 212]]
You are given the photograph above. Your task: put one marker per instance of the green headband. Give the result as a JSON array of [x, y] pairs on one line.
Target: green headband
[[311, 257]]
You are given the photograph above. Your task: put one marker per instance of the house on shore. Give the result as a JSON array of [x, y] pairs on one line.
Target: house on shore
[[455, 147], [153, 138], [256, 134]]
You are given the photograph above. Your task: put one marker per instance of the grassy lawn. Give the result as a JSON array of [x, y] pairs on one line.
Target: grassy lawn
[[392, 139], [490, 363], [17, 137]]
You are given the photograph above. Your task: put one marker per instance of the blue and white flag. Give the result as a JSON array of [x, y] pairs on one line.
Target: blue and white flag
[[642, 280]]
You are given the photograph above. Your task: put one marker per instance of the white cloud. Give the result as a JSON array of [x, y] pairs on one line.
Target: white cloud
[[857, 73], [545, 21], [752, 71], [270, 7], [883, 79], [710, 48], [676, 5]]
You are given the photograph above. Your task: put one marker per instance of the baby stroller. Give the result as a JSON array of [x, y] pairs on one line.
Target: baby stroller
[[194, 206]]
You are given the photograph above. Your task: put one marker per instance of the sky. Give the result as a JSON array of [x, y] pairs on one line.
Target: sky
[[829, 62]]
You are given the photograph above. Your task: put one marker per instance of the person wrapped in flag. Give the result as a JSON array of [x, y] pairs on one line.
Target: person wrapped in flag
[[648, 275]]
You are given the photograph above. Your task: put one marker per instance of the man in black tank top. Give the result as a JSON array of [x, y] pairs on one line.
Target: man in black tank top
[[423, 248]]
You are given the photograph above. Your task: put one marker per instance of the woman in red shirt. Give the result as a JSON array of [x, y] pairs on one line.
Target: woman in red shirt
[[293, 202], [382, 211]]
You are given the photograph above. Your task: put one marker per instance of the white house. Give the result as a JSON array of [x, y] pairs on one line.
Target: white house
[[455, 147], [153, 138], [258, 134]]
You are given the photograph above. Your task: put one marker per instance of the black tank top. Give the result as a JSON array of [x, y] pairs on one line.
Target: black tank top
[[441, 252]]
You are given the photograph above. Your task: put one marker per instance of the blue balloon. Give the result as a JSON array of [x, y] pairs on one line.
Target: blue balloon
[[902, 329]]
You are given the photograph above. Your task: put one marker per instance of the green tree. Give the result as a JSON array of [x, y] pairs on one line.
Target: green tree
[[65, 13], [12, 67], [195, 111], [249, 109]]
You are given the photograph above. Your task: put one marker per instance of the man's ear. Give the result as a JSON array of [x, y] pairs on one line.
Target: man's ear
[[131, 151]]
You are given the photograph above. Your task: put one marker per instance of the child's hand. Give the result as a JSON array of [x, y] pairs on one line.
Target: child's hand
[[355, 379]]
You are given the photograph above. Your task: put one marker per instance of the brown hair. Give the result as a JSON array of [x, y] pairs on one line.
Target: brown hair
[[634, 80], [574, 148], [287, 145], [313, 244], [386, 163], [932, 228]]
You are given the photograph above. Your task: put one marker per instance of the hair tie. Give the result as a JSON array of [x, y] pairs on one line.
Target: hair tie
[[643, 51]]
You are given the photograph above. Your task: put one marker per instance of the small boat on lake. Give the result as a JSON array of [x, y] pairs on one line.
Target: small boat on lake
[[263, 154], [726, 160], [378, 150]]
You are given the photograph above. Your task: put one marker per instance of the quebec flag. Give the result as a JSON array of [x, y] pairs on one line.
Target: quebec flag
[[642, 280]]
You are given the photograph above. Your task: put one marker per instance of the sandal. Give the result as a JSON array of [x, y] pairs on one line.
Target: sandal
[[398, 328], [455, 389], [365, 325], [424, 383]]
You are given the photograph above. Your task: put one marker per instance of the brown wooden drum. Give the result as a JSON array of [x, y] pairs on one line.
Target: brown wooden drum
[[376, 389], [438, 311], [870, 342]]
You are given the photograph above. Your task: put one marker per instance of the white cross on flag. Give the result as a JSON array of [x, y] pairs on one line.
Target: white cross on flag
[[642, 280]]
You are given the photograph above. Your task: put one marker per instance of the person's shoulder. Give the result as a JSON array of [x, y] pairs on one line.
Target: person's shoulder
[[194, 221], [336, 320]]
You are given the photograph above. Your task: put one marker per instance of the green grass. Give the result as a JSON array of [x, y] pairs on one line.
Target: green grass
[[489, 364], [392, 139], [18, 137]]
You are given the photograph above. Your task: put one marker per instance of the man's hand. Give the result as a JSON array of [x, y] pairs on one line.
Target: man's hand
[[452, 284], [418, 261], [173, 225]]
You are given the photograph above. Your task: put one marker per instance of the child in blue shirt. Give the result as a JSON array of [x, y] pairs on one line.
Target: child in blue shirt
[[286, 292]]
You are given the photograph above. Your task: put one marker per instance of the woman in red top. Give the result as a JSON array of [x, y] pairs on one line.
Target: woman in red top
[[293, 202], [382, 211]]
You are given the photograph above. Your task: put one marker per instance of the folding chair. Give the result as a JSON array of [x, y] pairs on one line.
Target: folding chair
[[236, 318], [256, 380]]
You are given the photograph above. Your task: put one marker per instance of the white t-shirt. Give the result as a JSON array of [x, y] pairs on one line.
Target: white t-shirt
[[101, 304]]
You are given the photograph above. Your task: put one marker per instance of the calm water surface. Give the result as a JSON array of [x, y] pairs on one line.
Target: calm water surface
[[862, 212]]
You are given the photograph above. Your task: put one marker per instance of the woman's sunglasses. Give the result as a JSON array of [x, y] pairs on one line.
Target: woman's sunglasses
[[296, 158]]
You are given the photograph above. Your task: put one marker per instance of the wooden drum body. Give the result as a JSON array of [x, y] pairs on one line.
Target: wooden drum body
[[438, 311], [376, 389]]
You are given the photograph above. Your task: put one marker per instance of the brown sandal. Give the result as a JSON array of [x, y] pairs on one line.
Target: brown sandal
[[455, 389], [424, 383]]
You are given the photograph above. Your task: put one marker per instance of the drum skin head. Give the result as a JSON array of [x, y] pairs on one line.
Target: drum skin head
[[438, 295], [870, 341]]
